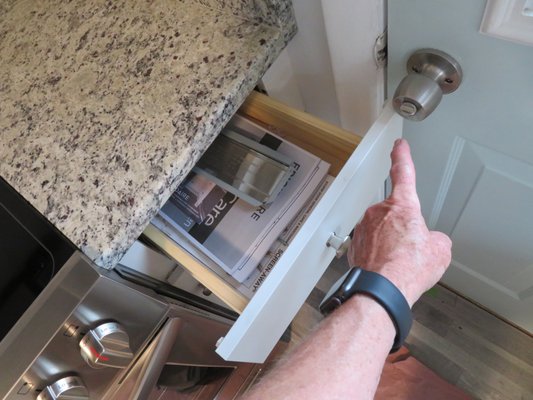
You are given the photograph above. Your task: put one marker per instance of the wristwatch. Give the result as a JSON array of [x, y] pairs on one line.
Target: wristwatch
[[358, 280]]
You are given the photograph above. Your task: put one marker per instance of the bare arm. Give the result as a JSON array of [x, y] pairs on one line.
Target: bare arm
[[344, 357]]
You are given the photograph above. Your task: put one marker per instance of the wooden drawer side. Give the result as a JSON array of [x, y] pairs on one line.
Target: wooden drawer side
[[329, 142]]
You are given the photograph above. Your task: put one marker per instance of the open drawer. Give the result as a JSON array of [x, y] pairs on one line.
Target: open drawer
[[360, 166]]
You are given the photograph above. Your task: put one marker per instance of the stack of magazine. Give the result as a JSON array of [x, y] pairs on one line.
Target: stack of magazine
[[233, 237]]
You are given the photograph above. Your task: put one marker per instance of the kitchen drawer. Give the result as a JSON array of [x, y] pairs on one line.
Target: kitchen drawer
[[360, 166]]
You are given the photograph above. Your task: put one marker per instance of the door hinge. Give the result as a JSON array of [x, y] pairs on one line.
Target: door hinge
[[380, 50]]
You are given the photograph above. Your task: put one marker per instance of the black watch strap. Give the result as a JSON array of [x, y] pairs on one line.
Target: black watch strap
[[358, 280]]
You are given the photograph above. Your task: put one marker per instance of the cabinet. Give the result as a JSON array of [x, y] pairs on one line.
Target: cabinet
[[360, 167]]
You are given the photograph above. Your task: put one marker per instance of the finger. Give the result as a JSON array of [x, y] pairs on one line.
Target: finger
[[403, 176]]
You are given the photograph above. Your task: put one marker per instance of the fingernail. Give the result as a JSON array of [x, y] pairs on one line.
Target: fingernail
[[397, 142]]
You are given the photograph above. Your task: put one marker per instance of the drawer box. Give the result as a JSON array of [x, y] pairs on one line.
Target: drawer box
[[360, 167]]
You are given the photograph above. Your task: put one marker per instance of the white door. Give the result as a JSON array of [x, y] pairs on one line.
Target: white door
[[474, 154]]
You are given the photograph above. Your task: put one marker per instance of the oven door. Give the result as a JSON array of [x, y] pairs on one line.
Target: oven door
[[181, 362]]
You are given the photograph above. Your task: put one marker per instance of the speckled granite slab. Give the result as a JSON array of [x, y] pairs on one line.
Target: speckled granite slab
[[105, 106], [278, 13]]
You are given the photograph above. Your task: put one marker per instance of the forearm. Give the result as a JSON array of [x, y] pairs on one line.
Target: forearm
[[343, 359]]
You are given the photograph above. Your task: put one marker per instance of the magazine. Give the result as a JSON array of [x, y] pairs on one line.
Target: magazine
[[234, 234], [279, 247], [249, 286], [197, 196]]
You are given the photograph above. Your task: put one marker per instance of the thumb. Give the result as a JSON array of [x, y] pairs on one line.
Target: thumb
[[442, 247]]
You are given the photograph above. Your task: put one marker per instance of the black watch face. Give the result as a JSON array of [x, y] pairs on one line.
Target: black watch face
[[336, 286], [328, 305], [332, 300]]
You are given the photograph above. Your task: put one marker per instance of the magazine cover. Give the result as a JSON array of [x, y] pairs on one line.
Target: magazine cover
[[197, 196]]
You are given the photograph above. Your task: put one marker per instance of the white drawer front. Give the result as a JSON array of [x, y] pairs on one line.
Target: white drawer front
[[275, 304]]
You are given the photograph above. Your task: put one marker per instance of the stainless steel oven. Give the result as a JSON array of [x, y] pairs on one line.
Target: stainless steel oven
[[72, 330]]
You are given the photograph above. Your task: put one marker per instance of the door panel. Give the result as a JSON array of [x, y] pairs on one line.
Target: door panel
[[474, 154]]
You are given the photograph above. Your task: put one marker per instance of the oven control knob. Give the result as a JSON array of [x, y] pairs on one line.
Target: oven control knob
[[70, 387], [107, 345]]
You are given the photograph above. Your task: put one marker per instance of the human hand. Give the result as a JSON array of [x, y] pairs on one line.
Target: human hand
[[393, 239]]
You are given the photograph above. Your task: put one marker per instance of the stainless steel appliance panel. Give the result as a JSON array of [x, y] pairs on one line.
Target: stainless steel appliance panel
[[186, 342], [79, 299]]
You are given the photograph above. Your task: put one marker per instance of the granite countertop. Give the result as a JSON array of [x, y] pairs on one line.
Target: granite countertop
[[105, 106]]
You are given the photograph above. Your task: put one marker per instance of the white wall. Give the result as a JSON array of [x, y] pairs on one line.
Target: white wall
[[328, 69], [352, 27], [309, 70], [280, 82]]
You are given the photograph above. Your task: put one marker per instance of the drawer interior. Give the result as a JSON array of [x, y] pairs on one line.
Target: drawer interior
[[330, 143], [327, 141]]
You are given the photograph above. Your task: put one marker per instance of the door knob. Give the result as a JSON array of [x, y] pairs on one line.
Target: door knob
[[430, 74]]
